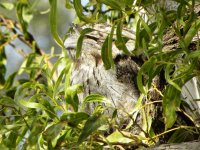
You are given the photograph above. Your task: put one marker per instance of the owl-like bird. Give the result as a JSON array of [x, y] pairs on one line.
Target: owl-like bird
[[117, 84]]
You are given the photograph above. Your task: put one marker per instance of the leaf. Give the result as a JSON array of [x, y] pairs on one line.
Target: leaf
[[72, 97], [79, 11], [118, 137], [180, 135], [96, 98], [91, 125], [68, 4], [10, 80], [53, 22], [192, 32], [106, 50], [118, 5], [7, 5], [147, 68], [2, 67], [22, 6], [80, 40], [7, 102], [167, 77], [171, 101], [44, 106], [53, 131], [120, 44], [10, 141], [73, 119]]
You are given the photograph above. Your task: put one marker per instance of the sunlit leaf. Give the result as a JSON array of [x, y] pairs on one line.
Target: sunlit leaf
[[72, 97], [106, 50], [73, 119], [122, 137], [120, 41], [91, 125], [80, 41], [7, 5], [53, 22], [79, 11]]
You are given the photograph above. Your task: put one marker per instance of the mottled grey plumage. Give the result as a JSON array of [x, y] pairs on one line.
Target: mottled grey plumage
[[116, 84]]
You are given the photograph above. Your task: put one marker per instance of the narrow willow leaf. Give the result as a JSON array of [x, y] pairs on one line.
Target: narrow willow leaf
[[71, 96], [167, 77], [10, 141], [120, 41], [53, 22], [118, 5], [91, 125], [21, 5], [73, 119], [34, 105], [2, 67], [147, 68], [53, 131], [7, 5], [122, 137], [31, 104], [95, 98], [58, 82], [147, 28], [171, 101], [55, 66], [68, 4], [79, 11], [80, 41], [10, 80], [192, 32], [109, 50], [180, 135], [104, 54], [7, 102]]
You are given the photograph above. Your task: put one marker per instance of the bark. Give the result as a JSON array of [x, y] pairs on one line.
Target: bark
[[194, 145]]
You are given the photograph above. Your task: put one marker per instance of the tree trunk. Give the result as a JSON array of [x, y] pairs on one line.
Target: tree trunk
[[194, 145]]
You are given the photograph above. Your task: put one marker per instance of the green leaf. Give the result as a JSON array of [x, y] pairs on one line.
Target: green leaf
[[73, 119], [118, 137], [171, 101], [53, 22], [167, 77], [91, 125], [106, 50], [2, 68], [96, 98], [68, 4], [80, 41], [118, 5], [79, 11], [10, 142], [22, 10], [53, 131], [180, 135], [192, 32], [147, 68], [7, 102], [7, 5], [120, 44], [72, 97], [10, 80], [45, 105]]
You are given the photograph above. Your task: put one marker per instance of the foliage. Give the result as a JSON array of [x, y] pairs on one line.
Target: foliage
[[41, 110]]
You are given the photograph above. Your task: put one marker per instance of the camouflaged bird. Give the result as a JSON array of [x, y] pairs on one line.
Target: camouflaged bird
[[118, 83]]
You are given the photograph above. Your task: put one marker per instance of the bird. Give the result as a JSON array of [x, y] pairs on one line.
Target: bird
[[117, 84]]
